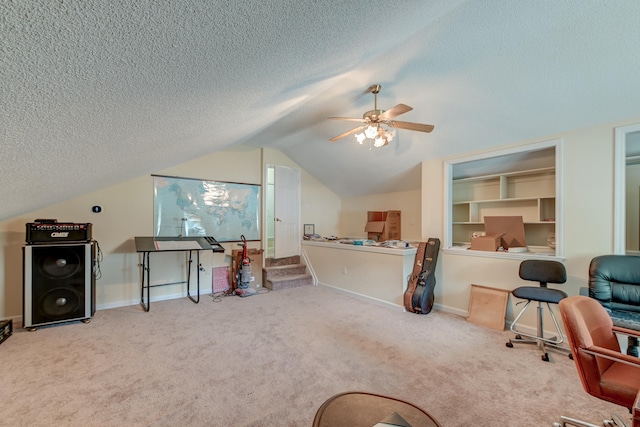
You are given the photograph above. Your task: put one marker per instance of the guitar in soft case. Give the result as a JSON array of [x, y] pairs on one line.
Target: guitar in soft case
[[412, 283], [422, 298]]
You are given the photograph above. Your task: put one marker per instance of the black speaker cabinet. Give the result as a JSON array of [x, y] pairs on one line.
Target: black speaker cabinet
[[59, 285]]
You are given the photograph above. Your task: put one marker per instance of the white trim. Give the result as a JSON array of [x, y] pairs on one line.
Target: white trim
[[456, 250], [559, 144], [307, 262], [448, 206], [363, 248], [27, 282], [619, 184]]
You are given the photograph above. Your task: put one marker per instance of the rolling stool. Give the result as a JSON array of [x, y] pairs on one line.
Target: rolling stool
[[543, 272]]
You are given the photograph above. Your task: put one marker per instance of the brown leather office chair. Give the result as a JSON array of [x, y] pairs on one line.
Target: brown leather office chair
[[605, 372]]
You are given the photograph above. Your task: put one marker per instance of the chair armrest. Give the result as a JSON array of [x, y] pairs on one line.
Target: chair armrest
[[626, 331], [612, 355]]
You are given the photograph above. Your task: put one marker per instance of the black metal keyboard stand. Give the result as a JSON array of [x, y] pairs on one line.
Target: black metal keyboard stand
[[146, 245], [197, 299], [145, 275]]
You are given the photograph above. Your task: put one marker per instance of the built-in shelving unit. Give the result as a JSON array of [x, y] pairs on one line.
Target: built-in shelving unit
[[527, 193], [524, 180]]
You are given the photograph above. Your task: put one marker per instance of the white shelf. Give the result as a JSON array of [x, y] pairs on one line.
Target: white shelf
[[512, 199]]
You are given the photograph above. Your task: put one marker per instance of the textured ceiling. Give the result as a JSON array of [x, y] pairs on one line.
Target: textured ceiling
[[94, 93]]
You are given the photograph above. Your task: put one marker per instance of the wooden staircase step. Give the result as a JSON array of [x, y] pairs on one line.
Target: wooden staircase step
[[284, 270], [285, 273], [273, 262], [288, 282]]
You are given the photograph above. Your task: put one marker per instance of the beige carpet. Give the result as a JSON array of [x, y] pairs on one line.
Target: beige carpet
[[271, 360]]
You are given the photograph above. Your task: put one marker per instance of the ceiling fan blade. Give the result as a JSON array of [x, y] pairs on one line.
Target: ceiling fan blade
[[347, 119], [347, 133], [411, 126], [394, 112]]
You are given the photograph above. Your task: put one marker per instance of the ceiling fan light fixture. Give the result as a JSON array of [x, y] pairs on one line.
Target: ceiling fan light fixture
[[371, 131], [390, 134], [380, 142], [377, 135]]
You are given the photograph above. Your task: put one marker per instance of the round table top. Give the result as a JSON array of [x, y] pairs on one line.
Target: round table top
[[355, 409]]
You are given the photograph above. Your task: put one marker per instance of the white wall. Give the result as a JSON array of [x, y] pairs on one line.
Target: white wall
[[128, 212], [318, 205], [588, 221], [354, 213], [378, 273]]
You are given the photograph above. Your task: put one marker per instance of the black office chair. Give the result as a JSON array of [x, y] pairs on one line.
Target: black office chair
[[543, 272], [614, 281]]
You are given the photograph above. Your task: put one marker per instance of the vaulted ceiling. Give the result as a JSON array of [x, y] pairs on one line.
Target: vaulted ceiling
[[94, 93]]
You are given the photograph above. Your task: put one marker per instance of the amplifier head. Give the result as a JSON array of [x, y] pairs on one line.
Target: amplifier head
[[46, 233]]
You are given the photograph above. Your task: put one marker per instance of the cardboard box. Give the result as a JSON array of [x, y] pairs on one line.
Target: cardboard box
[[383, 225], [510, 227], [486, 243], [255, 256]]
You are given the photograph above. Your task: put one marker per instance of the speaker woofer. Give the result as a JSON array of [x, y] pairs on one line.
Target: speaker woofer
[[59, 303], [60, 263]]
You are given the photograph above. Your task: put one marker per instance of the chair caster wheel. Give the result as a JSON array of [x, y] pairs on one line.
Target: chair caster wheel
[[571, 356], [518, 337], [509, 344], [545, 358]]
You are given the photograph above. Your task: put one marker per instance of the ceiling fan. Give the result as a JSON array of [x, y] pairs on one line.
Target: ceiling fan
[[375, 120]]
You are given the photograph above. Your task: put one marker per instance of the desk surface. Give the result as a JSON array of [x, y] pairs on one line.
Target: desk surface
[[166, 244], [625, 319]]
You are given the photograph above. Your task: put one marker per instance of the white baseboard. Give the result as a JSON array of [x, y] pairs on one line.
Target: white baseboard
[[165, 297], [17, 320], [370, 298], [444, 309]]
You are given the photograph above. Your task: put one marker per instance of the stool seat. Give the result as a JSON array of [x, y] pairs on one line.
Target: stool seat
[[543, 272], [362, 409], [538, 293]]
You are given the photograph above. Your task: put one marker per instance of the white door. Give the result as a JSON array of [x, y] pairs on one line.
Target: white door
[[287, 212]]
